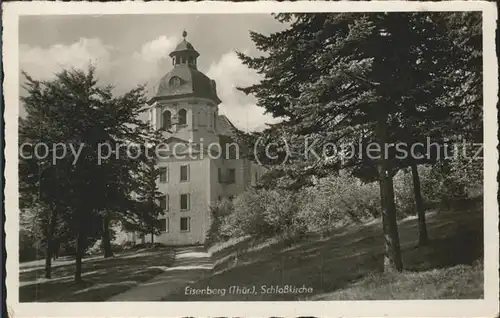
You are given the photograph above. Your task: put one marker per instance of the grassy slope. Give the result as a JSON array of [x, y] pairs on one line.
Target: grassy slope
[[103, 278], [460, 281], [347, 264]]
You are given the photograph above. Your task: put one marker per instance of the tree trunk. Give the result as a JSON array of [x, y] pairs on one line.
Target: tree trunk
[[79, 254], [48, 259], [106, 242], [50, 243], [152, 208], [57, 247], [423, 238], [392, 257]]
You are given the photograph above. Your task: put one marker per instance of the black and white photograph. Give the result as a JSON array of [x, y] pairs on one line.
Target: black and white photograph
[[281, 158]]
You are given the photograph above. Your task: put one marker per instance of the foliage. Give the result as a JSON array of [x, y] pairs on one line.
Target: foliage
[[219, 229], [456, 178], [404, 195], [33, 221], [260, 213], [364, 78], [29, 247], [333, 201], [337, 200]]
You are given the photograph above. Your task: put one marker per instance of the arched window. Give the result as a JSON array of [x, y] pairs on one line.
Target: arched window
[[182, 117], [166, 120]]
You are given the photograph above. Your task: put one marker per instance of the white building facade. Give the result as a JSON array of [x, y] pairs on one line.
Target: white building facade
[[199, 164]]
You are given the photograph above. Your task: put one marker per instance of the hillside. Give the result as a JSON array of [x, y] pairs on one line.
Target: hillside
[[347, 263]]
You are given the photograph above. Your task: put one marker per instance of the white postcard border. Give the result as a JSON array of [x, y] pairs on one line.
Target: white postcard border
[[406, 308]]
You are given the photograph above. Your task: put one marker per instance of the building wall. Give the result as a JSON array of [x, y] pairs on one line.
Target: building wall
[[198, 189]]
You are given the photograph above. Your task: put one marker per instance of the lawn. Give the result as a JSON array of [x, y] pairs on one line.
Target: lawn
[[348, 263], [103, 278]]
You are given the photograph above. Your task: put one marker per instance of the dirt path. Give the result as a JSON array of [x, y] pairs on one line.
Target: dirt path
[[190, 265]]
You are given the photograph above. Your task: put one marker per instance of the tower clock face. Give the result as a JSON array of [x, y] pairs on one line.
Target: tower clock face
[[175, 81]]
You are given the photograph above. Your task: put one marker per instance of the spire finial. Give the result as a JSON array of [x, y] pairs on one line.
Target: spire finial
[[184, 34]]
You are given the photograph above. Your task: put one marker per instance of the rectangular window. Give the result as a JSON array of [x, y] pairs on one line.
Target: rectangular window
[[185, 173], [185, 224], [164, 174], [164, 225], [219, 172], [162, 202], [231, 176], [184, 202]]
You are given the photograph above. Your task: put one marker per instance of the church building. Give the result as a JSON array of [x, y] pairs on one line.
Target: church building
[[201, 163]]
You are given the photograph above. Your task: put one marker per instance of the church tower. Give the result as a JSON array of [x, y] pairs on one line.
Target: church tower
[[186, 102], [193, 174]]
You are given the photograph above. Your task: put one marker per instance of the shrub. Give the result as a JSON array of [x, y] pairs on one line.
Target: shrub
[[248, 215], [337, 200], [453, 179], [259, 213], [96, 248], [281, 214], [404, 195], [219, 231]]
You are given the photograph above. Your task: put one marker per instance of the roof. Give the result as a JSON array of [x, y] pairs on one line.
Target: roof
[[184, 80], [225, 126], [184, 46], [191, 83]]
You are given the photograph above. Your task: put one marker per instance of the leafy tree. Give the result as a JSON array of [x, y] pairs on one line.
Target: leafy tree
[[87, 191], [148, 209]]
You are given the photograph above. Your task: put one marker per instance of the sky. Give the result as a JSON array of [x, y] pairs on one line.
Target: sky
[[128, 50]]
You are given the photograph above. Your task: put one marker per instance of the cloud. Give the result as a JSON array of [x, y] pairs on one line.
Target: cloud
[[124, 71], [42, 63], [147, 65], [230, 73], [155, 50]]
